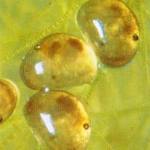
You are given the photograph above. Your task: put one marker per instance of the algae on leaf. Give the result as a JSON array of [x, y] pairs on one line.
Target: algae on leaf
[[118, 100]]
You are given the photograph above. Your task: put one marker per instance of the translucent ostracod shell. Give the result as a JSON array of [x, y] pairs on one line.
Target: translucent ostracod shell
[[59, 60], [8, 99], [59, 120], [112, 28]]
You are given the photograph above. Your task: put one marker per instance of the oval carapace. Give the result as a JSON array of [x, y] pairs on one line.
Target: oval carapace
[[8, 98], [59, 120], [112, 29], [59, 60]]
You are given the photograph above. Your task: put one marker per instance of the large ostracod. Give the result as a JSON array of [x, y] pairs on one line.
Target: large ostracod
[[112, 29], [59, 120]]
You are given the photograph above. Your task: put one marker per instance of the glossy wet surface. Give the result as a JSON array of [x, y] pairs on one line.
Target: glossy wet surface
[[8, 99], [58, 61], [118, 102], [112, 28], [59, 120]]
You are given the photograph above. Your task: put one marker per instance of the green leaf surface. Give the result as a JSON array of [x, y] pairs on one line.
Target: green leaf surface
[[118, 101]]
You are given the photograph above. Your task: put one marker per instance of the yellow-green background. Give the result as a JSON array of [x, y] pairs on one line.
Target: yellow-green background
[[118, 102]]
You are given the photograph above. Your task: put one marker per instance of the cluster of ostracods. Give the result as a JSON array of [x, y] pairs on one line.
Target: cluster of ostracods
[[57, 117], [60, 60]]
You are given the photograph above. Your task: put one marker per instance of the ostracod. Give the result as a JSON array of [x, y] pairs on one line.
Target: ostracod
[[59, 60], [112, 28], [59, 120], [8, 98]]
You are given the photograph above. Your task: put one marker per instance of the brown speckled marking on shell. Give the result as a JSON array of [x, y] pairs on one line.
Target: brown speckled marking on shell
[[116, 61], [66, 103], [75, 43], [115, 7], [54, 48], [1, 119]]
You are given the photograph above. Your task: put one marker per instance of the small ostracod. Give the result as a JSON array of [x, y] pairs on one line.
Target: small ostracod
[[8, 99]]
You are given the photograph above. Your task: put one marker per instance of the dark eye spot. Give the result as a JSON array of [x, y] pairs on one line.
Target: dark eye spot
[[135, 37], [86, 126]]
